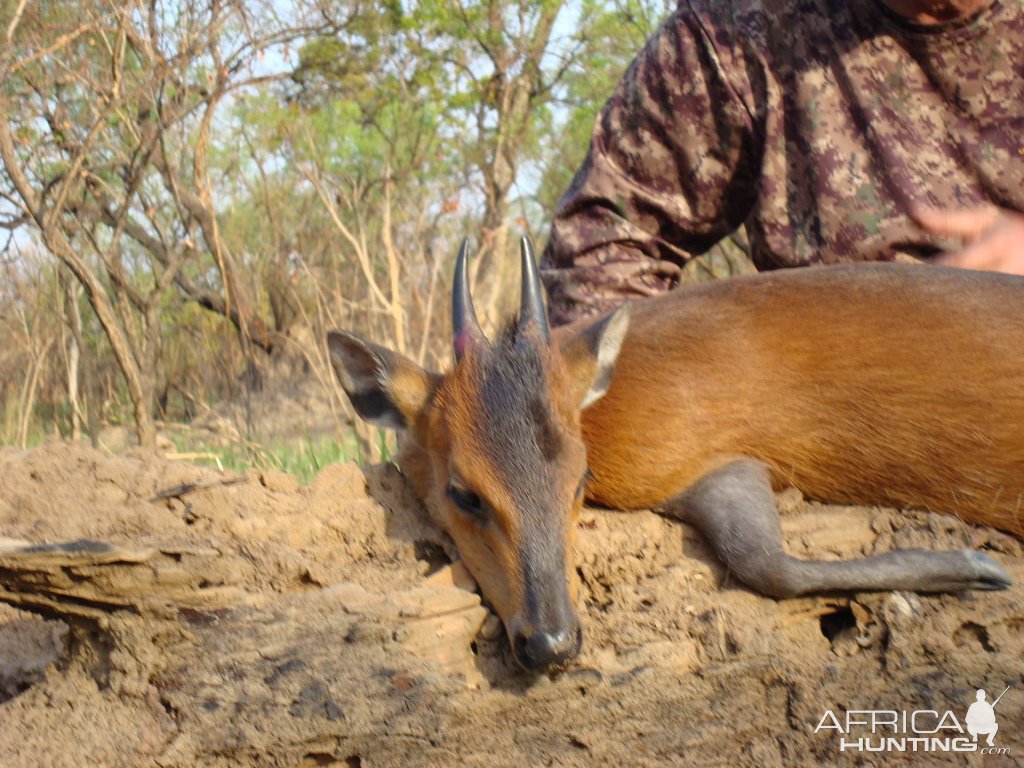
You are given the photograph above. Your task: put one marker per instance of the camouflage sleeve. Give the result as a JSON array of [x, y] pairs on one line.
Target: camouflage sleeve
[[671, 170]]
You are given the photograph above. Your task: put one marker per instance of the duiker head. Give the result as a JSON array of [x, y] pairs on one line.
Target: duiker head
[[499, 459]]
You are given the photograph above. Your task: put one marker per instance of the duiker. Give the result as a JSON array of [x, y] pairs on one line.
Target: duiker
[[868, 384]]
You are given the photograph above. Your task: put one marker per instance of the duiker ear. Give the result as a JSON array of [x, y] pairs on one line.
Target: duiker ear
[[385, 388], [591, 354]]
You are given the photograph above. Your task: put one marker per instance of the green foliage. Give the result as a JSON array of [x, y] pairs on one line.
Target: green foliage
[[435, 68], [406, 114], [302, 459], [615, 33]]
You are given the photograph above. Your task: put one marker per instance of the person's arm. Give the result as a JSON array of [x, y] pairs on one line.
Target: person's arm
[[671, 170]]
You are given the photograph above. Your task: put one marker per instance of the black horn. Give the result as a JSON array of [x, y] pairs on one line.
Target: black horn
[[531, 302], [465, 327]]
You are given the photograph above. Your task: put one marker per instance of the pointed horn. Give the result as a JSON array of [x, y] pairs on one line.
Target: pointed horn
[[531, 302], [465, 328]]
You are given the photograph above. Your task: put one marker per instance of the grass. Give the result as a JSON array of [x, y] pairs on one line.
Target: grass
[[302, 458]]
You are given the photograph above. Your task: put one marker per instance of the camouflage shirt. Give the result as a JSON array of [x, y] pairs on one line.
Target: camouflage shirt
[[817, 123]]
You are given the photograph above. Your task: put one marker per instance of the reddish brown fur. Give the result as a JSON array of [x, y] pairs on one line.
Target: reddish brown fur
[[892, 384]]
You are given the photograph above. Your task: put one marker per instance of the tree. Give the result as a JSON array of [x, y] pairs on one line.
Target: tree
[[108, 114], [481, 75], [209, 192]]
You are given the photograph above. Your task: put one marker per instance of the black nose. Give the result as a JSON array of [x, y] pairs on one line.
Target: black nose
[[548, 650]]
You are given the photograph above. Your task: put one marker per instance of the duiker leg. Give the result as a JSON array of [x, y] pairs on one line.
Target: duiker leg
[[733, 507]]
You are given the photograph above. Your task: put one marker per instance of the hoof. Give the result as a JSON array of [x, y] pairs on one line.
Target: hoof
[[988, 574]]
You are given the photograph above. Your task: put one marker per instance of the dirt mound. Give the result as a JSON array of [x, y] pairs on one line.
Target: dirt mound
[[183, 617]]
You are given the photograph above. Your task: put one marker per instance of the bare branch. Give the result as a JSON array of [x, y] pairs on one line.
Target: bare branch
[[15, 20]]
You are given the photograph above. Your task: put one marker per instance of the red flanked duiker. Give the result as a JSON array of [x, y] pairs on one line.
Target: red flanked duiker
[[871, 384]]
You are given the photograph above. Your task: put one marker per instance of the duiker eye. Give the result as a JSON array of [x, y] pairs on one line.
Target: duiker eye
[[465, 500]]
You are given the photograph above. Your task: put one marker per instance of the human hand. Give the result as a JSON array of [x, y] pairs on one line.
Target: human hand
[[992, 238]]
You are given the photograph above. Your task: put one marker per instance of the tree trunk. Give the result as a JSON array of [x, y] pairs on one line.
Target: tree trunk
[[73, 319], [138, 382], [48, 220]]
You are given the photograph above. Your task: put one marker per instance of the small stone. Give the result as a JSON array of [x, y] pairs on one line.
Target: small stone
[[403, 681], [491, 630]]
